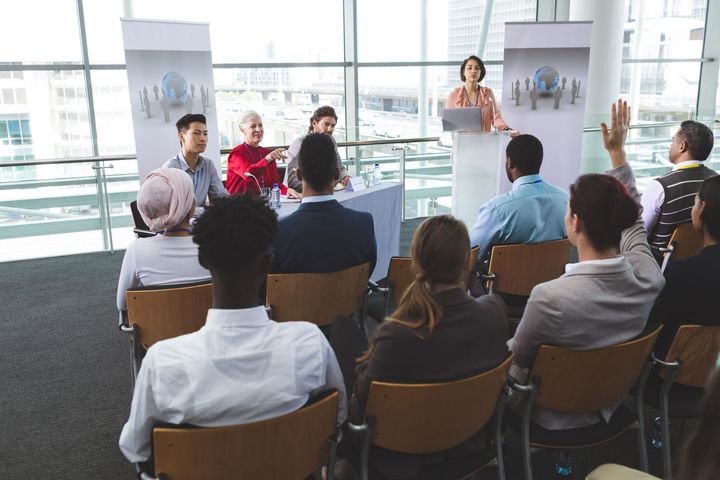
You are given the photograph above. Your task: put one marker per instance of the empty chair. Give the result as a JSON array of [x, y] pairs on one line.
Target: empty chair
[[158, 313], [427, 418], [678, 389], [317, 297], [290, 447], [584, 381]]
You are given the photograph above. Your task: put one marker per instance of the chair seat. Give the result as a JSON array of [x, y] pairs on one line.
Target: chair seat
[[622, 419], [450, 469], [683, 401]]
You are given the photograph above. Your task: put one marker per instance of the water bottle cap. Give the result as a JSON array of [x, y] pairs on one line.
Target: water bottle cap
[[377, 164], [275, 185]]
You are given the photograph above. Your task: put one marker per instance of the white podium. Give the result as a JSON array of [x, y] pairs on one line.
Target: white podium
[[477, 159]]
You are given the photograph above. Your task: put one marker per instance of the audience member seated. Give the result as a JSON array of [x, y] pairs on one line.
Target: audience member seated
[[321, 235], [241, 367], [437, 333], [531, 212], [251, 158], [604, 299], [692, 283], [323, 121], [667, 201], [166, 204], [193, 136]]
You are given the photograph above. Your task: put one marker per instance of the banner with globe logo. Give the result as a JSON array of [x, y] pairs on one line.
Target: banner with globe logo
[[169, 69], [545, 70]]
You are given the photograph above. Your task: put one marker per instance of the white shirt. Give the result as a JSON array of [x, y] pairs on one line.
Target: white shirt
[[317, 199], [654, 196], [159, 260], [241, 367]]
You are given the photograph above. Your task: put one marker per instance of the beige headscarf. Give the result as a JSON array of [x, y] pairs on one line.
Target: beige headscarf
[[166, 198]]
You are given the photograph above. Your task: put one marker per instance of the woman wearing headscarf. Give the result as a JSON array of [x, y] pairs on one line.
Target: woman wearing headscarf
[[166, 203]]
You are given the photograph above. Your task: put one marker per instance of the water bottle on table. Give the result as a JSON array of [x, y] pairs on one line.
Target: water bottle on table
[[377, 174], [275, 197]]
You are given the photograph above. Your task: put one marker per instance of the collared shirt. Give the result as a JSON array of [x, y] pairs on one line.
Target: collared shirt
[[318, 199], [206, 180], [533, 211], [654, 196], [241, 367], [605, 261]]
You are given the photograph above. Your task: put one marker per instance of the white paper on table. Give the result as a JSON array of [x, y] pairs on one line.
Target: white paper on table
[[356, 184]]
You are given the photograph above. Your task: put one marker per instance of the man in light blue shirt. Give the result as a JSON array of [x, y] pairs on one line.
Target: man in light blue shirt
[[193, 135], [533, 211]]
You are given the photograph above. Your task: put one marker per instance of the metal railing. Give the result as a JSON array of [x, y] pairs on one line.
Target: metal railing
[[398, 164]]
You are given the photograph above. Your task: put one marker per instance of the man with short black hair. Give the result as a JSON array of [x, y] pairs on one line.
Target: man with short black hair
[[668, 200], [532, 212], [323, 121], [322, 236], [193, 136], [241, 367]]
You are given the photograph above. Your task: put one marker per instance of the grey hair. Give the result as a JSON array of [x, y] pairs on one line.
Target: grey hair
[[247, 115]]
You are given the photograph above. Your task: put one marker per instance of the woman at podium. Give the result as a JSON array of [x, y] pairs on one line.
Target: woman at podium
[[471, 94]]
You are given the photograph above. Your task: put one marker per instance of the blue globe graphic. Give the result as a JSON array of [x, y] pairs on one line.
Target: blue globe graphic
[[546, 80], [174, 86]]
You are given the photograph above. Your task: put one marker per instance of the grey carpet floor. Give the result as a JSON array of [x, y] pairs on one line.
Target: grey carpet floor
[[65, 375]]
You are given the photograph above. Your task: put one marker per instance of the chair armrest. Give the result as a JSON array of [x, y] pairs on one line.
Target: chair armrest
[[491, 278], [375, 288], [123, 323], [141, 474], [144, 233], [657, 361]]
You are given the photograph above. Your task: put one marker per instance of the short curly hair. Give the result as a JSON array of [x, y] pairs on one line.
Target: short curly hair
[[235, 230]]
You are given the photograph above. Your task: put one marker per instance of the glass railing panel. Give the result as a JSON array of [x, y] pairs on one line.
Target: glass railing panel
[[55, 213]]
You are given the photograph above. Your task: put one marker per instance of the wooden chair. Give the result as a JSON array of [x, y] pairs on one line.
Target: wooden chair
[[160, 312], [684, 242], [584, 381], [290, 447], [401, 273], [317, 297], [678, 389], [428, 418], [141, 229], [516, 269]]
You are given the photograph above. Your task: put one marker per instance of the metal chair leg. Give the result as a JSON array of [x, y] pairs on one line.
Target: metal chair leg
[[499, 411]]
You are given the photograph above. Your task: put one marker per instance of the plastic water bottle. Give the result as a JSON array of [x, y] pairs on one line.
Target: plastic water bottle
[[377, 174], [656, 441], [563, 464], [275, 197]]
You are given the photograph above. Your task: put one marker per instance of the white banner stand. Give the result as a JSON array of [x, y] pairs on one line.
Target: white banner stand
[[477, 158]]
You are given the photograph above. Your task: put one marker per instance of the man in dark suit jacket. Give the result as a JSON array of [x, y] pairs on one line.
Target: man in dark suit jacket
[[322, 236]]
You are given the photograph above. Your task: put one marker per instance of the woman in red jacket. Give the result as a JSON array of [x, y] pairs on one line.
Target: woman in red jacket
[[250, 166]]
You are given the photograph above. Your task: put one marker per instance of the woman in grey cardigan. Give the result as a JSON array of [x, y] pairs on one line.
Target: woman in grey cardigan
[[604, 299]]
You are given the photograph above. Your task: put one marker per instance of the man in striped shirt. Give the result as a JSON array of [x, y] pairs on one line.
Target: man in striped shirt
[[668, 199]]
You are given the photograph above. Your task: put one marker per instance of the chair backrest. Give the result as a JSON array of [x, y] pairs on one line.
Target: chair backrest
[[292, 446], [696, 346], [167, 312], [317, 297], [137, 218], [426, 418], [583, 381], [401, 273], [685, 241], [520, 267]]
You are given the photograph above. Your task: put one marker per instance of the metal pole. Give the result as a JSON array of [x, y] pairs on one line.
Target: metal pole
[[100, 178], [401, 173]]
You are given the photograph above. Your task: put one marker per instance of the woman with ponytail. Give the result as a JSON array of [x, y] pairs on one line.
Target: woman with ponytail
[[606, 297], [437, 333]]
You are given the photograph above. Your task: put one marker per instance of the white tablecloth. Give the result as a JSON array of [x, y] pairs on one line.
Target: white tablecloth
[[384, 202]]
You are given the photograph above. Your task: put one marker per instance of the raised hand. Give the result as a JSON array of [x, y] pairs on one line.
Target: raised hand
[[614, 138]]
